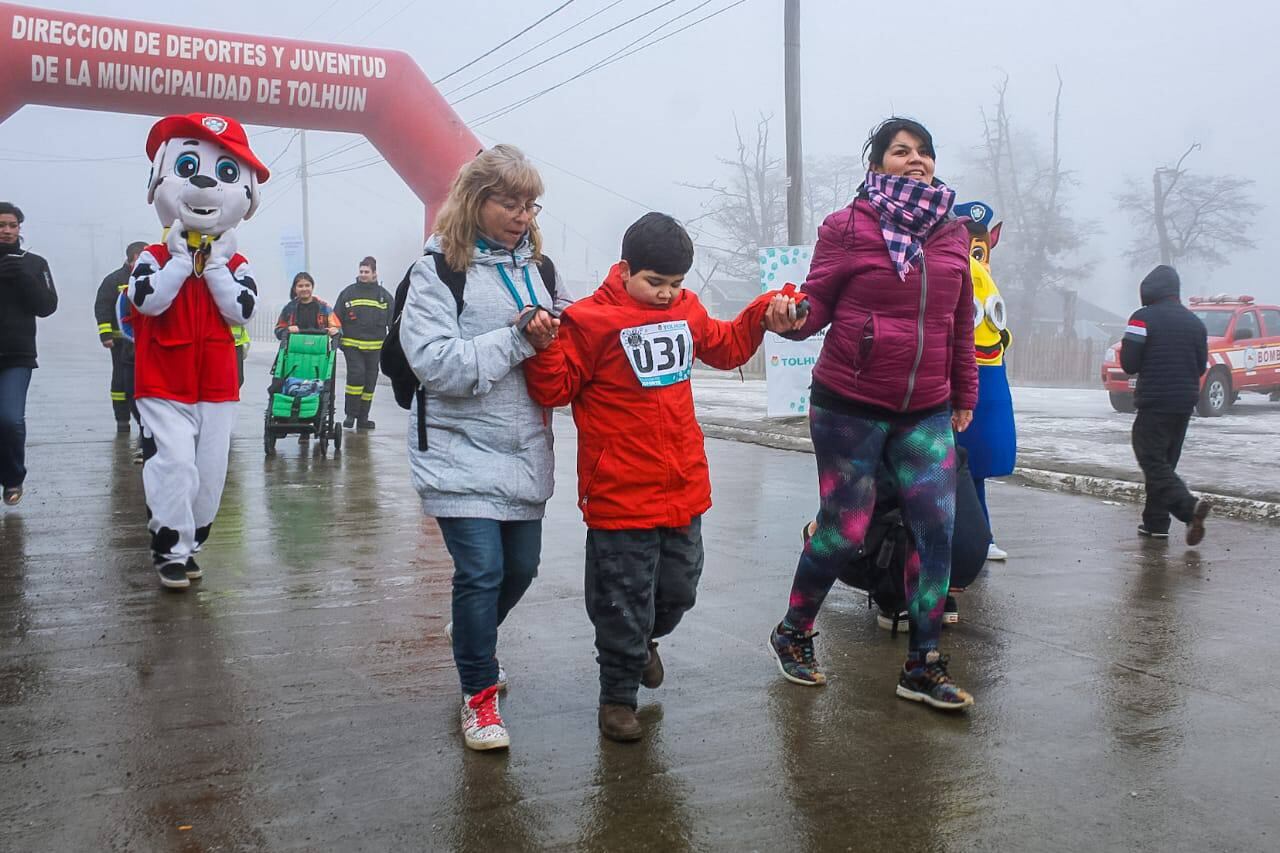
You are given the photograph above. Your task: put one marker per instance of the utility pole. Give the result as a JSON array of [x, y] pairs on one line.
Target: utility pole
[[306, 208], [795, 151]]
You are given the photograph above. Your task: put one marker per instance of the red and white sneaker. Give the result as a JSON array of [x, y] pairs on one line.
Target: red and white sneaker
[[482, 725]]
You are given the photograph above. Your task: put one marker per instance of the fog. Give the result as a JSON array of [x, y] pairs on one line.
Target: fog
[[1142, 82]]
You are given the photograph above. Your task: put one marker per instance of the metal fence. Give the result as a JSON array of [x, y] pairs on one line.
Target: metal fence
[[262, 327]]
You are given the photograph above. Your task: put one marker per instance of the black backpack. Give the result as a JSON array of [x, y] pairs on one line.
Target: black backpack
[[879, 571], [404, 382]]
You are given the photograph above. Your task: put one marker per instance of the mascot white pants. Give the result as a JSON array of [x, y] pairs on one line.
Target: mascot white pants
[[187, 445]]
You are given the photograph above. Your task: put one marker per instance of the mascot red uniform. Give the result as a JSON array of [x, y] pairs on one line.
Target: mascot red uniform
[[184, 295]]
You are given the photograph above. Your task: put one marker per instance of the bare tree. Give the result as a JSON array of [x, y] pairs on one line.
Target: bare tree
[[830, 183], [747, 211], [1030, 190], [1187, 217]]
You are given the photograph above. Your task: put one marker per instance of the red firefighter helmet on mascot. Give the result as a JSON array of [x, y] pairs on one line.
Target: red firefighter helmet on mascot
[[204, 180]]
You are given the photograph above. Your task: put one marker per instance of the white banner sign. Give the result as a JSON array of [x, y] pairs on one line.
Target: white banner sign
[[788, 365]]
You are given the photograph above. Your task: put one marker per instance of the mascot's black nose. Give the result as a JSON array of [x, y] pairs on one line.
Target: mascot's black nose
[[204, 182]]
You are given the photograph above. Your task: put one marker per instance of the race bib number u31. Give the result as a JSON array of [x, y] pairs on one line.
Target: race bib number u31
[[661, 354]]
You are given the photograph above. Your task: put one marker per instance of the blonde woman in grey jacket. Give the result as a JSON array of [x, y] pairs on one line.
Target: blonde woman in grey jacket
[[487, 470]]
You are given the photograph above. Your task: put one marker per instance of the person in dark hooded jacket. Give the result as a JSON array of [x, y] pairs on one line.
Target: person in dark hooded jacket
[[1167, 348], [26, 292]]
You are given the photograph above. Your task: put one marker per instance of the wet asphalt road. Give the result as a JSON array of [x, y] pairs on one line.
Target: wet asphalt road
[[302, 696]]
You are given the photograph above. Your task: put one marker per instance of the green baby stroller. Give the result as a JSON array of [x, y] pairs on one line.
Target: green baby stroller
[[300, 400]]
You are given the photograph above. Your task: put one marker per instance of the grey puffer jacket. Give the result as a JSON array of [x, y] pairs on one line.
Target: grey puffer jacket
[[489, 446]]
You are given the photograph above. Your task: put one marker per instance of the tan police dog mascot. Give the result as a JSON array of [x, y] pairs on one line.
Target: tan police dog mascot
[[184, 295]]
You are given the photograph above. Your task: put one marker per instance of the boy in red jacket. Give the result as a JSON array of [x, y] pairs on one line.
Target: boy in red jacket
[[623, 358]]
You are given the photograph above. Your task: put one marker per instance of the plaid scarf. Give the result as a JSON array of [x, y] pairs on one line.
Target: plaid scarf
[[909, 210]]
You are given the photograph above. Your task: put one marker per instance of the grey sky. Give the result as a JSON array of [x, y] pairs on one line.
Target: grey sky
[[1143, 80]]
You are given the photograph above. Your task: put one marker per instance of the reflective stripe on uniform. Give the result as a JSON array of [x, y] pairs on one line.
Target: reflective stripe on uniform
[[356, 343], [105, 329], [368, 303], [355, 390], [118, 397], [240, 335], [367, 396]]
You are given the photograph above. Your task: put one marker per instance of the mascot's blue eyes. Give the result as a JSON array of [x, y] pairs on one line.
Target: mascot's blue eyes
[[187, 165], [228, 170]]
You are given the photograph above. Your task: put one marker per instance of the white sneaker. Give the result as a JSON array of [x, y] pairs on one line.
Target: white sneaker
[[502, 673], [995, 552], [482, 726], [888, 621]]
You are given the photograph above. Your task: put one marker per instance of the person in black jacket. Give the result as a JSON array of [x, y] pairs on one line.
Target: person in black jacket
[[26, 292], [364, 309], [104, 311], [1167, 347]]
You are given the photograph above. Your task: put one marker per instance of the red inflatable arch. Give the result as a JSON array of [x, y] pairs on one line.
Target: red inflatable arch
[[95, 63]]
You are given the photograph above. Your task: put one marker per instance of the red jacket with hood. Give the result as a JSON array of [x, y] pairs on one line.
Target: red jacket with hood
[[625, 366]]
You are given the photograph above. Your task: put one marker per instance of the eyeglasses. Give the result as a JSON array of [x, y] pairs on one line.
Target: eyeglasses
[[514, 207]]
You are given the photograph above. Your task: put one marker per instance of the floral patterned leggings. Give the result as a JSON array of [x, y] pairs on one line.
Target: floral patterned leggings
[[920, 454]]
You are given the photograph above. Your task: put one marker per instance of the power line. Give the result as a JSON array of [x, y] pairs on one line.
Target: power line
[[341, 149], [494, 50], [285, 151], [529, 68], [351, 167], [317, 18], [499, 113], [278, 195], [535, 47], [394, 15], [365, 13]]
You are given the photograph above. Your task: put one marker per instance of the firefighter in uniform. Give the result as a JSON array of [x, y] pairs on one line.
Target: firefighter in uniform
[[240, 335], [104, 311], [364, 309]]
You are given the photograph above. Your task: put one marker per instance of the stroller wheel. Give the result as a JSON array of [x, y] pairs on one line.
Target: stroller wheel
[[269, 443]]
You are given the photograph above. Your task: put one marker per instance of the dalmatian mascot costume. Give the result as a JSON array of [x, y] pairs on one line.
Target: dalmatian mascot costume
[[185, 293]]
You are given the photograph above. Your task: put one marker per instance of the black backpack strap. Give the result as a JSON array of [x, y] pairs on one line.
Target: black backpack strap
[[454, 280], [547, 270]]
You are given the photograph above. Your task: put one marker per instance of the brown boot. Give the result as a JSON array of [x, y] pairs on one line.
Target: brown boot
[[652, 674], [619, 722], [1195, 527]]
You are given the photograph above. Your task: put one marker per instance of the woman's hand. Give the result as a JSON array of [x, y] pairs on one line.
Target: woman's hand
[[333, 331], [293, 330], [541, 329], [781, 317], [960, 419]]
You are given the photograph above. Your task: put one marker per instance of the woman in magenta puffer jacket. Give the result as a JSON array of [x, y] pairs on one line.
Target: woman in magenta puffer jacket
[[890, 274]]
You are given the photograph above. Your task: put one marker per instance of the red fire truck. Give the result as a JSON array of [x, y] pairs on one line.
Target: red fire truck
[[1244, 355]]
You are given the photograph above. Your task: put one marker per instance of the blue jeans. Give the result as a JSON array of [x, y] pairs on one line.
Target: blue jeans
[[493, 564], [14, 382]]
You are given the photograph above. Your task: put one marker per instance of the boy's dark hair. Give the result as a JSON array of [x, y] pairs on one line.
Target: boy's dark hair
[[13, 209], [878, 142], [370, 263], [659, 243], [134, 249]]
